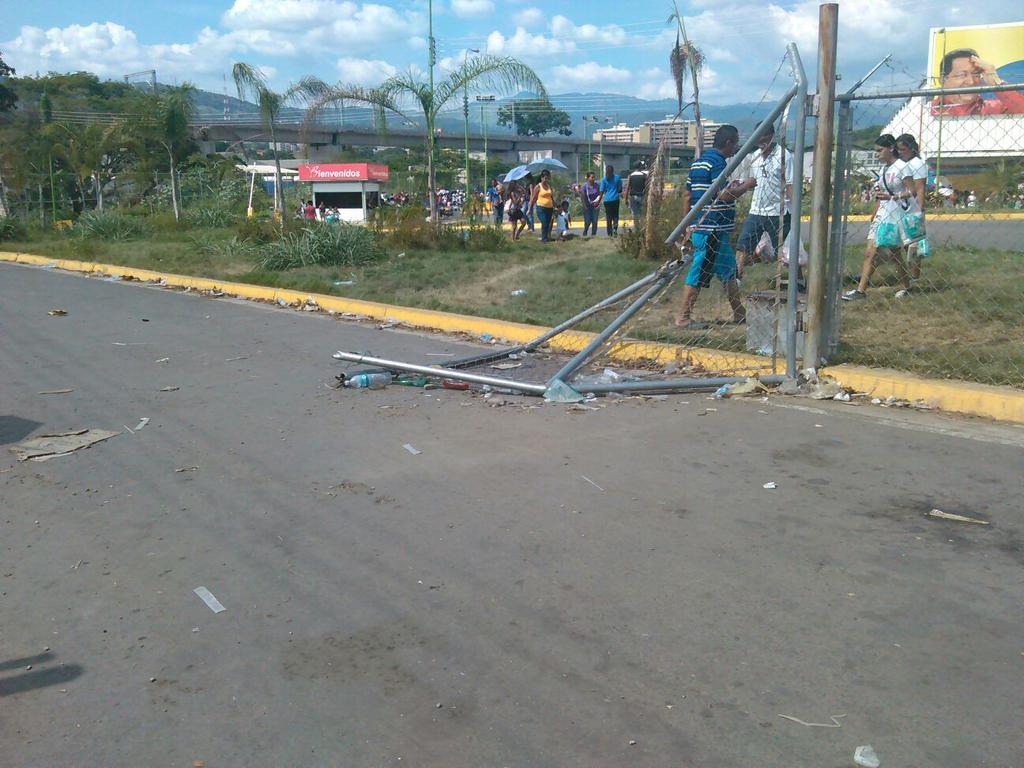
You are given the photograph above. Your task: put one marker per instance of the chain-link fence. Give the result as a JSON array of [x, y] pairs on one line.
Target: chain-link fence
[[940, 294]]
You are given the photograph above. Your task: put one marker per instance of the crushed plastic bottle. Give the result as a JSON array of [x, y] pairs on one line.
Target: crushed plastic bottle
[[368, 380], [865, 756], [721, 392], [412, 381]]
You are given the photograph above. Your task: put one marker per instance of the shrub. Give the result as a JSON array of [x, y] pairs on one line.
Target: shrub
[[109, 225], [480, 238], [322, 245], [237, 248], [12, 228], [265, 230], [206, 216]]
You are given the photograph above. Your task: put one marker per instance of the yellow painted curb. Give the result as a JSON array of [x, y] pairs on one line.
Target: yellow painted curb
[[1002, 403]]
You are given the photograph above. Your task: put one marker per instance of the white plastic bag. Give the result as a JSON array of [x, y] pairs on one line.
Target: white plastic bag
[[764, 250], [784, 252]]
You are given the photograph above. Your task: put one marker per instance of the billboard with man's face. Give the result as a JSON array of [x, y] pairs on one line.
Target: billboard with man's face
[[961, 57]]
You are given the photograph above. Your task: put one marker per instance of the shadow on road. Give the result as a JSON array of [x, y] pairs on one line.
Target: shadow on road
[[35, 678], [14, 428]]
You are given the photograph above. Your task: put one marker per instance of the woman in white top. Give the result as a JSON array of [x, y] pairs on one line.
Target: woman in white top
[[894, 196], [917, 169]]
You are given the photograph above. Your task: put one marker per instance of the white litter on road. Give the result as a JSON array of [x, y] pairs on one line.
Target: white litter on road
[[207, 597], [142, 422], [593, 483], [769, 486], [411, 449]]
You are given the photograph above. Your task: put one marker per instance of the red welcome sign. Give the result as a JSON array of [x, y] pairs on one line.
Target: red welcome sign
[[343, 172]]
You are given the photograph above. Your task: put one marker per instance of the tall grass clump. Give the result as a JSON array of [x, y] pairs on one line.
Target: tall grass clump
[[211, 217], [12, 228], [109, 225], [322, 245]]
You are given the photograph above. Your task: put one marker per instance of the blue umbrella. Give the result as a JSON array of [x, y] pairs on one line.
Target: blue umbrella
[[547, 164], [516, 173]]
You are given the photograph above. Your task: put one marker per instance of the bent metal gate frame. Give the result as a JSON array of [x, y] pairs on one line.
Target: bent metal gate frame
[[559, 388]]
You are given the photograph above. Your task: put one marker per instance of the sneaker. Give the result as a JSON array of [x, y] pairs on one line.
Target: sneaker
[[902, 293], [854, 295]]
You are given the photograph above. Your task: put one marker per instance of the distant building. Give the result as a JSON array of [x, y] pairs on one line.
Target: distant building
[[677, 133]]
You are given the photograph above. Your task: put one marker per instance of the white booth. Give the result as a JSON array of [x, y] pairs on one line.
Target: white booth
[[351, 188]]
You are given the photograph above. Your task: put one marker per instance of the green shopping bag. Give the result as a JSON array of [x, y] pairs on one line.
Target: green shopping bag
[[887, 235], [913, 225]]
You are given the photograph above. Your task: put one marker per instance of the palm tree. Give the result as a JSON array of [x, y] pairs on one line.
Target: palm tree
[[175, 108], [251, 82], [493, 73], [685, 56], [84, 150]]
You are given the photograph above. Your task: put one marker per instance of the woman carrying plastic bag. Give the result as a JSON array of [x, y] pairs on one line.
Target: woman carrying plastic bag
[[890, 229]]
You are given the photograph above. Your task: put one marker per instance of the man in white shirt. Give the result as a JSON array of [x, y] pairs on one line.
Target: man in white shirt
[[765, 168]]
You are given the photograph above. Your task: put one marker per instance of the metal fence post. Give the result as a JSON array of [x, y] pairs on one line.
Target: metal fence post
[[837, 235], [798, 191], [828, 31]]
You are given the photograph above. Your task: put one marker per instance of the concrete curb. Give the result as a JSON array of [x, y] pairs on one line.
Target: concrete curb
[[1002, 403]]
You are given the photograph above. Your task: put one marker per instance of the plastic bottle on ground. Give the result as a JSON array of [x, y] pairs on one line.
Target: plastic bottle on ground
[[368, 380]]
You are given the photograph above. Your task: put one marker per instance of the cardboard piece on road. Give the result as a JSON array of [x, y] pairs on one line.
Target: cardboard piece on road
[[59, 444]]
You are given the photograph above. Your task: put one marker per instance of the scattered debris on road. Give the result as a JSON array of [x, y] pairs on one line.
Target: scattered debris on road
[[834, 724], [164, 360], [956, 518], [234, 359], [506, 366], [45, 447], [593, 483], [56, 391], [142, 422], [57, 313], [865, 756], [771, 486], [207, 597], [187, 469], [412, 450], [169, 389]]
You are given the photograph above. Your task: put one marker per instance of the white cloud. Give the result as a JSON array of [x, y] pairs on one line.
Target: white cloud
[[325, 25], [564, 28], [530, 17], [110, 50], [588, 76], [522, 43], [470, 8], [364, 71]]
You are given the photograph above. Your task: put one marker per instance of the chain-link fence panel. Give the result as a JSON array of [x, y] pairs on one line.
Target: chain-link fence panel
[[929, 266]]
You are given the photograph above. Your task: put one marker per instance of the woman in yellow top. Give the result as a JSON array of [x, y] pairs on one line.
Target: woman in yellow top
[[543, 200]]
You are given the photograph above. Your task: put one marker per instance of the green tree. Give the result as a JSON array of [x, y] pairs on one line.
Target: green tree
[[8, 98], [251, 82], [535, 117], [163, 122], [406, 92], [87, 152]]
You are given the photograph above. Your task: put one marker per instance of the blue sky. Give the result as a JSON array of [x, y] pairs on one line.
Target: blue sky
[[610, 47]]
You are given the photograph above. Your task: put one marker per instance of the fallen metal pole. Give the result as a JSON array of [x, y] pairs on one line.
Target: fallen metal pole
[[582, 356], [487, 357], [443, 373], [798, 190], [674, 384]]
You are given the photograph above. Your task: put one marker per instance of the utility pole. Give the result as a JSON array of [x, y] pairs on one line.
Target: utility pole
[[465, 116], [821, 175], [431, 58], [483, 125]]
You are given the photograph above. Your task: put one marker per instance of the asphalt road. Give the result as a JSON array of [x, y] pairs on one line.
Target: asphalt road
[[481, 603]]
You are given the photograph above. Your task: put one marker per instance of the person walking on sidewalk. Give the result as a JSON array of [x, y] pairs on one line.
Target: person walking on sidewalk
[[543, 201], [766, 170], [917, 170], [709, 236], [636, 188], [590, 197], [611, 188], [894, 200]]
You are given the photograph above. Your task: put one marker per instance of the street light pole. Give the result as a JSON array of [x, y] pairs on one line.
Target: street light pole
[[431, 57], [483, 125], [465, 117]]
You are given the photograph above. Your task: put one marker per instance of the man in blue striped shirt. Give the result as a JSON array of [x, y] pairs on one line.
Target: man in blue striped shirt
[[709, 235]]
